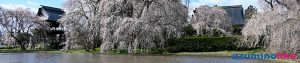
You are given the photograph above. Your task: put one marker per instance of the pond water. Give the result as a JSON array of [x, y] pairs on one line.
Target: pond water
[[98, 58]]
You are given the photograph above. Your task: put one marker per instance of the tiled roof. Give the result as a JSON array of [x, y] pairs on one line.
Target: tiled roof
[[53, 13], [58, 10]]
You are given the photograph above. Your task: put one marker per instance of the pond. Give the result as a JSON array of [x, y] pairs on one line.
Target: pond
[[98, 58]]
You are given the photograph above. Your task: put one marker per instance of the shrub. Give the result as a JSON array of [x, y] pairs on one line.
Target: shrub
[[201, 44], [237, 29], [189, 30], [118, 51]]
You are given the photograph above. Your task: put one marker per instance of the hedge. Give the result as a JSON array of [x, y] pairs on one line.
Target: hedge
[[201, 44]]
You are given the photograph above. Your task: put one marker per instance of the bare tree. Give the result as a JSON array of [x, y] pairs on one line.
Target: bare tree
[[18, 24]]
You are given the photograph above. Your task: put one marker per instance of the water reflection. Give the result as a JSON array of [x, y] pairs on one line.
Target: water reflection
[[97, 58]]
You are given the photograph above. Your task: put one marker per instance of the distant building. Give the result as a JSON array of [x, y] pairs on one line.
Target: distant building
[[236, 14], [51, 15]]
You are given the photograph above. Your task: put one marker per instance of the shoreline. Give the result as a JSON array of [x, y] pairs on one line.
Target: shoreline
[[217, 53]]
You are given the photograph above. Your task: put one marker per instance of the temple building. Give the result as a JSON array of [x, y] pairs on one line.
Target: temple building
[[51, 15], [236, 14]]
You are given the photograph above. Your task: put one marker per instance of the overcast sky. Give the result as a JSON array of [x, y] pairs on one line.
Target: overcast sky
[[35, 4]]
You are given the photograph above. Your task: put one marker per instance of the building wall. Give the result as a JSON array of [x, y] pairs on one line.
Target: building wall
[[236, 14]]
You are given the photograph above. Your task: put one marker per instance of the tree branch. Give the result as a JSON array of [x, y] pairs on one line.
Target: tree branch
[[270, 3]]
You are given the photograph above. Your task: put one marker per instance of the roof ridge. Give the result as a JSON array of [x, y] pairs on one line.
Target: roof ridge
[[51, 8]]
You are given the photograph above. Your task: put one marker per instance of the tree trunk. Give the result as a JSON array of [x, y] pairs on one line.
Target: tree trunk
[[23, 48]]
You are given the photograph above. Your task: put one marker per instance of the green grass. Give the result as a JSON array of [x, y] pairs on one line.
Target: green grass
[[76, 51], [4, 50], [201, 44], [218, 53], [81, 51], [18, 50]]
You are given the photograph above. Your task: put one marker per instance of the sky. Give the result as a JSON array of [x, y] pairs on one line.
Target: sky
[[35, 4], [245, 3], [31, 4]]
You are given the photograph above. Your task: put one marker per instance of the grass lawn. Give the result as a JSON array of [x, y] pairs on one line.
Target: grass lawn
[[219, 53], [18, 50]]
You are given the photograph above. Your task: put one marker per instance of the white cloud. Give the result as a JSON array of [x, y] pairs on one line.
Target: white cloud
[[13, 6], [16, 6], [30, 2], [216, 0]]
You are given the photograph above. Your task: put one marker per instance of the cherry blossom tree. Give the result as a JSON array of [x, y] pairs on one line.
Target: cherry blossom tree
[[124, 24], [208, 20], [276, 29], [18, 23]]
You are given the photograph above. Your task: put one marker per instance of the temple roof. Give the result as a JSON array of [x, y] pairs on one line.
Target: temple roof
[[50, 13]]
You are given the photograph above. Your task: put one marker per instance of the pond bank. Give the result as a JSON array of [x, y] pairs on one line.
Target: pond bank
[[118, 58], [217, 53], [18, 50]]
